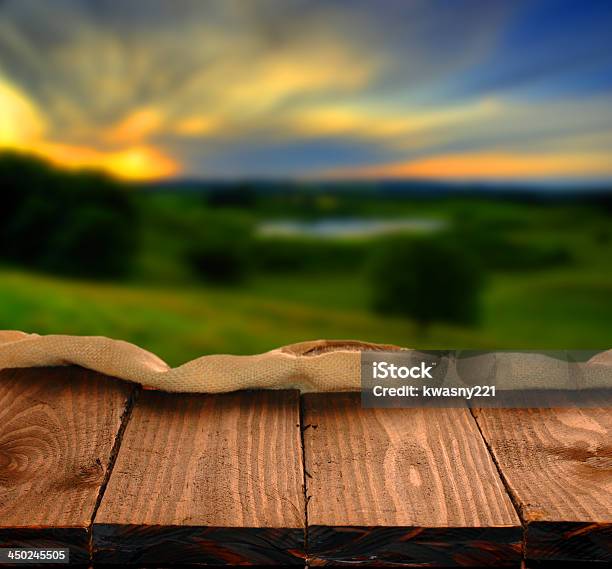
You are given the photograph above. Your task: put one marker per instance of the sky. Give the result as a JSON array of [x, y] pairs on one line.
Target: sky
[[516, 90]]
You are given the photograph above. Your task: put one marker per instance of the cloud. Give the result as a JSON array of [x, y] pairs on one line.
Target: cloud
[[488, 166], [217, 55], [519, 126], [220, 69], [203, 88], [396, 126], [137, 126], [22, 127], [197, 126], [131, 163]]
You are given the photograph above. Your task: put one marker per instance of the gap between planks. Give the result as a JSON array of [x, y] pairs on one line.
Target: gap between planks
[[57, 430], [125, 418], [557, 466], [502, 477]]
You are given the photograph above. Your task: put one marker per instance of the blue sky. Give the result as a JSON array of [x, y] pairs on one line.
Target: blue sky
[[455, 89]]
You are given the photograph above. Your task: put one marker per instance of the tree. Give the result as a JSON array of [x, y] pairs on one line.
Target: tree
[[240, 196], [78, 223], [221, 248], [428, 279]]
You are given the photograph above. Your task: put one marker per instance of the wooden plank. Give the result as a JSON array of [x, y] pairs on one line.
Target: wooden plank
[[558, 465], [403, 486], [206, 479], [57, 431]]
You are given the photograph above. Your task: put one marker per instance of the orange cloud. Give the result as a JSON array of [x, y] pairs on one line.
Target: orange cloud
[[22, 127], [487, 166], [266, 82], [133, 163], [135, 127], [196, 126]]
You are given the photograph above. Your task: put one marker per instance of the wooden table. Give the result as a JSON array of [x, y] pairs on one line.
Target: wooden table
[[124, 476]]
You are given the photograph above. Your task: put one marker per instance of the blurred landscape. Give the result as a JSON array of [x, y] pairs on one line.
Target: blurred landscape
[[229, 176], [185, 268]]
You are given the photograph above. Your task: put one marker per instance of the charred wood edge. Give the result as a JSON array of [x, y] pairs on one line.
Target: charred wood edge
[[193, 545], [73, 538], [569, 541], [548, 564], [416, 546]]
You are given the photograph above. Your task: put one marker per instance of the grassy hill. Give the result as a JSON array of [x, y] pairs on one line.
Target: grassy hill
[[139, 265], [180, 323]]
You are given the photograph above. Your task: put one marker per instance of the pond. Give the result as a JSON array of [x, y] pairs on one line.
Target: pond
[[348, 227]]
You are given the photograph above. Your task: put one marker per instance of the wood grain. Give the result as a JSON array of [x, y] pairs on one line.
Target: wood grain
[[57, 430], [403, 486], [206, 479], [558, 466]]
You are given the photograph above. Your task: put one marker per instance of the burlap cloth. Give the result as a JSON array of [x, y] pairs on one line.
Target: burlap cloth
[[316, 366]]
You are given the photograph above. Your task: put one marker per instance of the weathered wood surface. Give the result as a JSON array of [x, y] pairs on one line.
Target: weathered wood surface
[[558, 465], [57, 431], [206, 479], [218, 479], [403, 486]]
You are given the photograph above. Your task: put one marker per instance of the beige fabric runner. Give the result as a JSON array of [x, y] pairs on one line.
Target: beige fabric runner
[[309, 366], [316, 366]]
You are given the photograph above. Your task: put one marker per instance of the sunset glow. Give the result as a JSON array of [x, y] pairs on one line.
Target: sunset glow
[[466, 90], [132, 163], [488, 166], [20, 121]]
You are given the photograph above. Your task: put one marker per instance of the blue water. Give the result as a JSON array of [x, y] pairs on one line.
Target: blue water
[[348, 227]]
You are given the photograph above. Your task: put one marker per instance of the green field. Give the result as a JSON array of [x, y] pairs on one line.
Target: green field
[[185, 273], [180, 323]]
